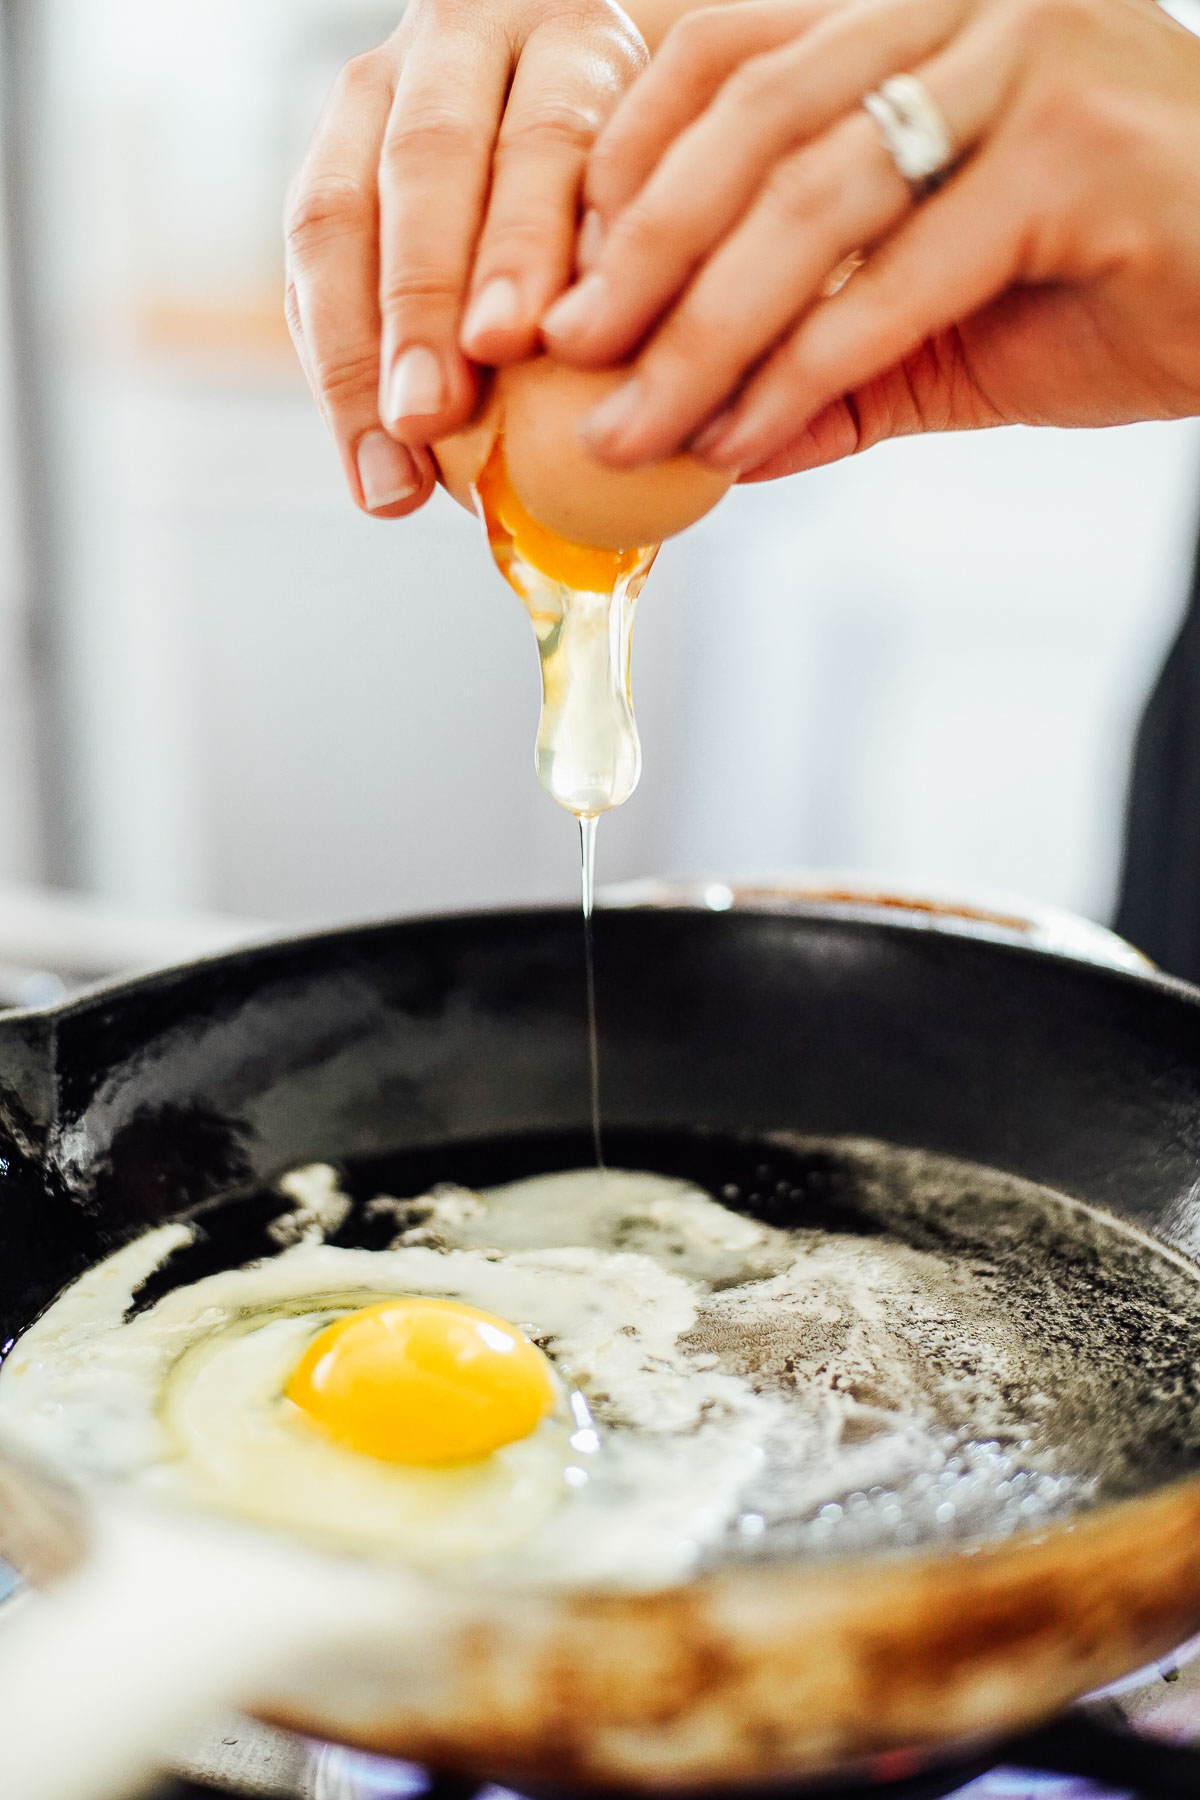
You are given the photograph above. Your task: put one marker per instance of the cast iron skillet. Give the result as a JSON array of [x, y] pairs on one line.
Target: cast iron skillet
[[433, 1038]]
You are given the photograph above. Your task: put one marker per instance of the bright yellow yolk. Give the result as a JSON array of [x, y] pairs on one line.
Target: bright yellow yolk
[[423, 1381], [511, 528]]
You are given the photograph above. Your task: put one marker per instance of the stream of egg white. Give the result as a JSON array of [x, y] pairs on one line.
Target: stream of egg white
[[587, 860], [166, 1622], [587, 756]]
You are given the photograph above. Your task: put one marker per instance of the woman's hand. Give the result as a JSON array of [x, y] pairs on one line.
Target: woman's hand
[[1054, 278], [434, 218]]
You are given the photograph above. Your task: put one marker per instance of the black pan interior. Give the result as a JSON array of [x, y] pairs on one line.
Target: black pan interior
[[454, 1049]]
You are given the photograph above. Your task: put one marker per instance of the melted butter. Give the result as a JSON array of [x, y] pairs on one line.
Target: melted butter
[[581, 604]]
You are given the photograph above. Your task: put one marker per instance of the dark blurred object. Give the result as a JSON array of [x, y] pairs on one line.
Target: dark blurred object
[[1158, 907]]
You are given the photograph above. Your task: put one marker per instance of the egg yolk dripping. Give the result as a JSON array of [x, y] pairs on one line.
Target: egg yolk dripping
[[581, 603], [423, 1381]]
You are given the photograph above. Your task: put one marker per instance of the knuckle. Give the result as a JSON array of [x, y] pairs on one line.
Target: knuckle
[[684, 345], [417, 285], [667, 234], [799, 189], [1041, 22], [1047, 111], [555, 125], [575, 18], [343, 378], [622, 51], [1095, 115], [435, 17], [438, 13], [1053, 110], [639, 232], [323, 207], [512, 244], [753, 83], [1135, 244], [608, 164], [362, 74], [583, 31], [698, 40], [431, 135]]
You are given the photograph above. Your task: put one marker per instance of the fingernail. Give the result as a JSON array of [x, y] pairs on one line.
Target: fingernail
[[726, 451], [722, 443], [386, 470], [613, 416], [416, 387], [590, 241], [717, 428], [577, 308], [496, 307]]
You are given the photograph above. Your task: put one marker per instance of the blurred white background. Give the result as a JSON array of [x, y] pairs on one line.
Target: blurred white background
[[222, 689]]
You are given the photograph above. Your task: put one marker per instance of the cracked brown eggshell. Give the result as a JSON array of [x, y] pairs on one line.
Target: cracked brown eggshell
[[537, 405]]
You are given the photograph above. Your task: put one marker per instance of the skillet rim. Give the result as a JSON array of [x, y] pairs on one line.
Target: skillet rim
[[887, 918]]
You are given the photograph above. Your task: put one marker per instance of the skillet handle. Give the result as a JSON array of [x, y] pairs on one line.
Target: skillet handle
[[824, 895]]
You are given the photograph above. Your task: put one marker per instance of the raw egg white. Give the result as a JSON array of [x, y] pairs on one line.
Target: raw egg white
[[534, 408]]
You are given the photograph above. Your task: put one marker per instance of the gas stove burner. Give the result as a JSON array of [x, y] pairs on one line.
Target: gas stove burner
[[1074, 1758]]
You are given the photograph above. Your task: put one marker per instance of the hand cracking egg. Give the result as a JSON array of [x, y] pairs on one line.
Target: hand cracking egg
[[575, 541]]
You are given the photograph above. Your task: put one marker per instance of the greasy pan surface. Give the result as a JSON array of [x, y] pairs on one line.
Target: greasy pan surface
[[138, 1103]]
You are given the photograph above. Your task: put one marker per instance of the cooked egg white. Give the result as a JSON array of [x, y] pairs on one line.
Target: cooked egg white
[[584, 1378], [191, 1397], [238, 1440]]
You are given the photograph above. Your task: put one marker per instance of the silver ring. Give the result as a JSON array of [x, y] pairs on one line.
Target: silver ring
[[913, 130]]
